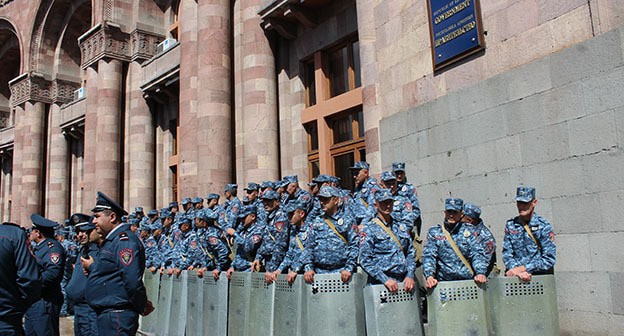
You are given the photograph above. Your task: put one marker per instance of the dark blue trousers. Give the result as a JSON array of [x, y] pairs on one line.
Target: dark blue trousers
[[118, 322], [11, 328], [42, 319], [85, 320]]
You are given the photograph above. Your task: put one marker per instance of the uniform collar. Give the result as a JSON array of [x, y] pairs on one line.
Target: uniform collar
[[111, 234]]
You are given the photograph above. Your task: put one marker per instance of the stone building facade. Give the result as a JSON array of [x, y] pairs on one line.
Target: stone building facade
[[155, 100]]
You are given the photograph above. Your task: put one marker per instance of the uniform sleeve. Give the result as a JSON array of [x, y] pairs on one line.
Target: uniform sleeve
[[307, 257], [477, 256], [430, 255], [221, 253], [28, 275], [546, 259], [367, 255], [280, 246], [352, 249], [53, 266], [410, 259], [509, 258], [131, 261]]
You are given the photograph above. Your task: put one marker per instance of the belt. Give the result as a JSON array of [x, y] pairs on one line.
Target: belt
[[102, 310]]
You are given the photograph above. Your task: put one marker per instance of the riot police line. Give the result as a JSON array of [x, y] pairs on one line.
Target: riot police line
[[246, 305]]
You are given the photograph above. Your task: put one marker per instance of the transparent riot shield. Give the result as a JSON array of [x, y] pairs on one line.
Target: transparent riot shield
[[457, 308], [164, 304], [179, 295], [215, 297], [392, 313], [289, 307], [524, 308], [238, 308], [261, 305], [334, 307], [148, 324], [194, 305]]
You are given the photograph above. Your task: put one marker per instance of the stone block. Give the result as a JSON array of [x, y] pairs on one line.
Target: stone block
[[560, 178], [585, 291], [583, 323], [604, 91], [545, 144], [602, 171], [572, 253], [529, 79], [479, 158], [482, 127], [563, 103], [525, 114], [617, 292], [607, 250], [619, 125], [592, 134], [508, 154], [611, 209], [577, 214], [549, 10]]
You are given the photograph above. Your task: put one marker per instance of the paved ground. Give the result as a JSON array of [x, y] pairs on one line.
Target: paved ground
[[67, 326]]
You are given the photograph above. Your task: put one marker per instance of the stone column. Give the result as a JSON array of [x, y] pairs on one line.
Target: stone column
[[214, 112], [139, 144], [32, 155], [7, 185], [17, 167], [260, 118], [88, 185], [57, 193], [108, 155], [188, 140]]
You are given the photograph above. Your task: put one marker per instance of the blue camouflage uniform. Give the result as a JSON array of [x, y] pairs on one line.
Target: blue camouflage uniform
[[71, 251], [440, 260], [364, 195], [482, 234], [153, 257], [215, 251], [326, 251], [248, 241], [275, 236], [42, 317], [293, 260], [380, 254], [20, 279], [519, 249], [187, 251], [115, 287]]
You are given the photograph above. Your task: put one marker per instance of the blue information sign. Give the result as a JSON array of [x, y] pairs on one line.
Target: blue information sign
[[455, 30]]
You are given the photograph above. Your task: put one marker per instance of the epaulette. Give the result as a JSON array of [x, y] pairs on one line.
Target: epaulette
[[50, 244], [123, 236]]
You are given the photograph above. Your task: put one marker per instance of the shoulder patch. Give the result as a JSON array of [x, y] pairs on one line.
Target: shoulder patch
[[256, 238], [125, 255], [55, 258], [193, 244], [213, 240], [279, 226], [123, 236]]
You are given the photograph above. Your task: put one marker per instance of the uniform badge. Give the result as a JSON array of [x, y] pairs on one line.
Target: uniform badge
[[408, 206], [193, 244], [466, 233], [551, 235], [55, 257], [125, 255], [304, 236], [213, 240], [151, 243], [533, 228], [402, 227], [256, 239], [396, 203], [363, 190], [279, 226], [362, 238], [489, 247], [404, 189], [123, 236], [340, 221]]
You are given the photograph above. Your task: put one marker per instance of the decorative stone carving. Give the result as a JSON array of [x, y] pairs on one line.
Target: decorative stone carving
[[144, 44], [30, 87], [104, 40], [63, 91], [4, 2]]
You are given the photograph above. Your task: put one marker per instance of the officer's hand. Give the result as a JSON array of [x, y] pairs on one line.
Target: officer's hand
[[177, 271], [392, 285], [431, 282], [215, 274], [308, 276], [275, 274], [170, 271], [515, 271], [162, 270], [409, 284], [148, 309], [268, 277], [190, 268], [229, 272], [291, 277], [200, 272], [525, 276], [480, 279], [345, 276], [255, 265], [230, 231], [86, 264], [152, 269]]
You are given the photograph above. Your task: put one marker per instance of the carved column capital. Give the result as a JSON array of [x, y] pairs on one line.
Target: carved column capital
[[63, 91], [144, 44], [4, 3], [30, 86], [105, 40]]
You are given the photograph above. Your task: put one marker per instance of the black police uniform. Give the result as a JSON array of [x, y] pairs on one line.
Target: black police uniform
[[115, 287], [42, 317], [85, 319], [20, 279]]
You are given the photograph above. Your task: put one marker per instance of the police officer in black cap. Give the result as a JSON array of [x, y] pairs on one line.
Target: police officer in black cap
[[20, 279], [42, 317], [85, 319], [115, 287]]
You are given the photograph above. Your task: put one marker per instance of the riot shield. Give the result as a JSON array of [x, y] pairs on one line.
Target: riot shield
[[289, 307], [179, 295], [261, 305], [164, 304], [392, 313], [238, 307], [195, 302], [334, 307], [524, 308], [148, 324], [457, 308], [215, 297]]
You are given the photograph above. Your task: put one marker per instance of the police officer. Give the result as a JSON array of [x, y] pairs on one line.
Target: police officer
[[215, 252], [115, 287], [364, 192], [451, 251], [85, 319], [20, 279], [386, 250], [185, 249], [332, 245], [294, 192], [483, 235], [232, 204], [529, 243], [274, 237], [293, 261], [248, 238], [42, 317]]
